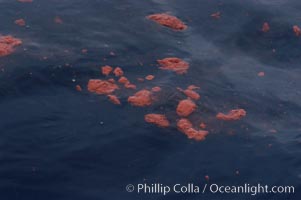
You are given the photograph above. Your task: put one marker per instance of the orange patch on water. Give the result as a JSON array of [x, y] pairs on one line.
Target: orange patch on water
[[118, 71], [216, 15], [78, 88], [149, 77], [106, 70], [7, 44], [114, 99], [168, 21], [186, 107], [141, 98], [190, 93], [101, 86], [297, 30], [157, 119], [156, 89], [186, 127], [58, 20], [232, 115], [261, 74], [174, 64], [20, 22], [265, 27]]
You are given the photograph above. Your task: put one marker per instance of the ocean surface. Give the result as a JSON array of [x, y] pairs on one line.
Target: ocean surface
[[57, 143]]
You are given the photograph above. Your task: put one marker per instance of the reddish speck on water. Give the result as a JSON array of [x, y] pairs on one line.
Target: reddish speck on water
[[149, 77], [168, 21], [174, 64], [202, 125], [20, 22], [114, 99], [157, 119], [58, 20], [84, 51], [123, 80], [297, 30], [101, 86], [130, 86], [186, 127], [106, 70], [232, 115], [265, 27], [78, 88], [186, 107], [7, 44], [216, 15], [141, 98], [118, 71], [190, 93], [156, 89], [261, 74]]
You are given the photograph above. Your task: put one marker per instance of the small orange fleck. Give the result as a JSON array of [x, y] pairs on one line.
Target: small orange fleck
[[157, 119], [186, 107], [216, 15], [118, 71], [265, 27], [156, 89], [78, 88], [106, 70], [141, 98], [297, 30], [174, 64], [20, 22], [58, 20], [232, 115], [101, 87], [203, 125], [114, 99], [168, 21], [149, 77]]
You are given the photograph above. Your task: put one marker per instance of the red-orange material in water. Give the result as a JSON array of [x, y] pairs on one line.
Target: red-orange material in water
[[106, 70], [297, 30], [232, 115], [118, 71], [185, 126], [202, 125], [174, 64], [168, 21], [101, 86], [149, 77], [20, 22], [130, 86], [265, 27], [7, 44], [114, 99], [78, 88], [216, 15], [186, 107], [190, 93], [261, 74], [123, 80], [157, 119], [156, 89], [58, 20], [141, 98]]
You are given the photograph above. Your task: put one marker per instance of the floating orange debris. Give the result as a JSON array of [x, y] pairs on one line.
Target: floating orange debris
[[106, 70], [190, 93], [118, 71], [261, 74], [114, 99], [123, 80], [101, 87], [202, 125], [168, 21], [7, 44], [156, 89], [174, 64], [20, 22], [140, 79], [185, 126], [130, 86], [141, 98], [232, 115], [157, 119], [297, 30], [216, 15], [186, 107], [58, 20], [78, 88], [84, 51], [149, 77], [265, 27], [111, 80]]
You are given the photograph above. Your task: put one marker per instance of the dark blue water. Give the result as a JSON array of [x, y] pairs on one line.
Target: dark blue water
[[60, 144]]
